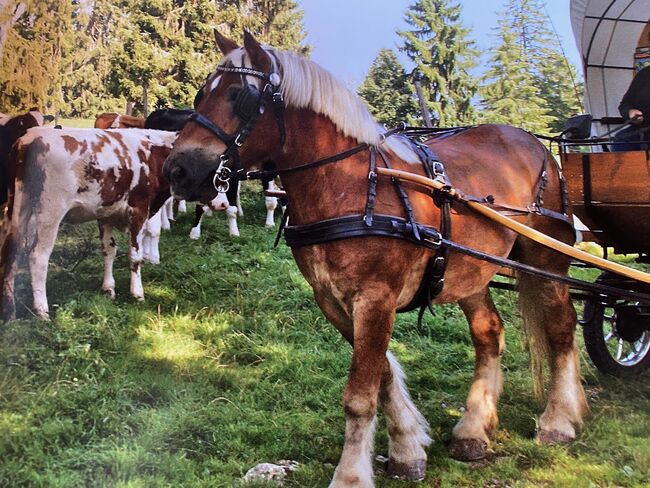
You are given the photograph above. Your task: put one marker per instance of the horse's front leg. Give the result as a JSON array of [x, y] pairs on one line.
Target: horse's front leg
[[471, 435], [408, 430], [373, 316], [407, 427]]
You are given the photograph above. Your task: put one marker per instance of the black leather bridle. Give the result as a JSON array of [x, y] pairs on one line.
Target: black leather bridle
[[249, 105]]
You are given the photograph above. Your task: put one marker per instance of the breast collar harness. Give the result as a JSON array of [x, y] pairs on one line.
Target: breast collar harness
[[249, 105]]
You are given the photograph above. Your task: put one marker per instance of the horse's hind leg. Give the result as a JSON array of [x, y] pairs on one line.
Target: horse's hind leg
[[472, 434], [550, 322]]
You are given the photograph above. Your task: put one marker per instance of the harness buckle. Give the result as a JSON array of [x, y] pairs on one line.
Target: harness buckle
[[372, 176], [438, 168], [434, 240], [238, 142]]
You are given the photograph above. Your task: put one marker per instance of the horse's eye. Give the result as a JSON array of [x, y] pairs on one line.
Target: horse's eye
[[232, 92]]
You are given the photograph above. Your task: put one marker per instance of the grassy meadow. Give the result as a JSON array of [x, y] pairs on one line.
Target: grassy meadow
[[229, 363]]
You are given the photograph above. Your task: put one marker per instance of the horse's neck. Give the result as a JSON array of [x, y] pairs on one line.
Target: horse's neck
[[317, 193]]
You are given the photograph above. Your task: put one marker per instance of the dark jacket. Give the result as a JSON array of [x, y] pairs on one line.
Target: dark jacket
[[638, 96]]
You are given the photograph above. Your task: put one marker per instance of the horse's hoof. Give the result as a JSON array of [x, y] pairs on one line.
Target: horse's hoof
[[110, 293], [413, 471], [468, 449], [553, 437]]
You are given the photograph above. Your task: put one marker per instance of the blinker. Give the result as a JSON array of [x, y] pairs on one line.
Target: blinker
[[247, 102]]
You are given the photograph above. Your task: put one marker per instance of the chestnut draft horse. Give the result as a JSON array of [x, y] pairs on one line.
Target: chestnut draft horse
[[265, 104]]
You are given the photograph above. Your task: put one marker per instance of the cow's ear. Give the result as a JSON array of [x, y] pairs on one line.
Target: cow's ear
[[259, 57], [225, 45]]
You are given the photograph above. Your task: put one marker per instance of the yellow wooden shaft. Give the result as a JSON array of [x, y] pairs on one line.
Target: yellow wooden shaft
[[524, 230]]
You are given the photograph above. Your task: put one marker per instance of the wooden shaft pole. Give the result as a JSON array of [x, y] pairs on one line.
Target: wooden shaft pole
[[524, 230]]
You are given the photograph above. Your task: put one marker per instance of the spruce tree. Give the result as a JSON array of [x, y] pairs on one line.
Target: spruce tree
[[387, 90], [278, 23], [439, 46], [509, 95], [36, 57], [541, 52]]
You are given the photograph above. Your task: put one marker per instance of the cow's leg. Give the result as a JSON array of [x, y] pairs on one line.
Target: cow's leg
[[195, 232], [151, 239], [169, 213], [471, 435], [271, 204], [10, 261], [46, 227], [109, 251], [231, 213], [240, 209], [136, 231], [373, 317]]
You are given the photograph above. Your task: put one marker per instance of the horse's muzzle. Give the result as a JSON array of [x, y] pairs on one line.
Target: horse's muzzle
[[190, 174]]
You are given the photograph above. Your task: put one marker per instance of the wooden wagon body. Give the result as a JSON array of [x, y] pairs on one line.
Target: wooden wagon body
[[610, 193]]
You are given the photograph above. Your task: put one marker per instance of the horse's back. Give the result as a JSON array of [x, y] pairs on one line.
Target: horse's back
[[496, 160]]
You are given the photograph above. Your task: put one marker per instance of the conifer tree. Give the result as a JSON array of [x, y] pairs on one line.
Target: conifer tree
[[439, 46], [387, 90], [278, 23], [509, 95], [36, 57], [541, 53]]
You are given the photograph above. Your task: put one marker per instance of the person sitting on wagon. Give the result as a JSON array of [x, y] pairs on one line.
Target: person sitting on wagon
[[635, 109]]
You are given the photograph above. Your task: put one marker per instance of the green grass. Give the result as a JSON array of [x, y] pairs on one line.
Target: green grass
[[74, 123], [229, 363]]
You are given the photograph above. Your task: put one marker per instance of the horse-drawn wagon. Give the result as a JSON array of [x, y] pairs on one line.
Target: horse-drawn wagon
[[610, 190]]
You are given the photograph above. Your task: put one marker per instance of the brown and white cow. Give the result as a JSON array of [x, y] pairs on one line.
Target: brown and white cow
[[79, 175], [113, 120]]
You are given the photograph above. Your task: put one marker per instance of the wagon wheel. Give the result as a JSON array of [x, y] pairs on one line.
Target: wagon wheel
[[617, 337]]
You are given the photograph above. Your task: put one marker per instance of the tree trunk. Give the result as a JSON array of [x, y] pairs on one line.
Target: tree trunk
[[145, 101], [423, 104], [9, 15], [129, 107]]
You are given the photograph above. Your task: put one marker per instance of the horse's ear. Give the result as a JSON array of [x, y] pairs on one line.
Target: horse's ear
[[259, 58], [225, 45]]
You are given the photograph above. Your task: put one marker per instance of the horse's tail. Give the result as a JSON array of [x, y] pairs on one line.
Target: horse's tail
[[531, 304]]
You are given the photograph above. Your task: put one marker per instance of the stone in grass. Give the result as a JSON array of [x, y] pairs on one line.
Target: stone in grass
[[271, 472]]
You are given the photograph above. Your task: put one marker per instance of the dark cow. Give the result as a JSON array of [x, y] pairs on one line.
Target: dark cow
[[12, 128], [167, 119], [78, 175]]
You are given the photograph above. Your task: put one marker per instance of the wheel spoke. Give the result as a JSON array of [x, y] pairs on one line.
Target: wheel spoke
[[609, 336], [619, 349]]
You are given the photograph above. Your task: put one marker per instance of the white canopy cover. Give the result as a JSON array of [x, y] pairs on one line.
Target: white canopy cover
[[607, 33]]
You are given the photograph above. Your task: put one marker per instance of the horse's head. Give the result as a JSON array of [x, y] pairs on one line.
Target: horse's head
[[237, 123]]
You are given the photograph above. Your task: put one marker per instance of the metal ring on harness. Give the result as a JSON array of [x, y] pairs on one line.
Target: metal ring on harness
[[221, 178]]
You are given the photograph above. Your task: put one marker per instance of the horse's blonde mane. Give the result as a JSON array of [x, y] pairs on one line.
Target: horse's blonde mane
[[305, 84]]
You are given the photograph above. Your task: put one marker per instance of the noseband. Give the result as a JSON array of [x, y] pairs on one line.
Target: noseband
[[249, 105]]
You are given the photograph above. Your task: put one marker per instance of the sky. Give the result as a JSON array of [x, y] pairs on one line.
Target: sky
[[346, 35]]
